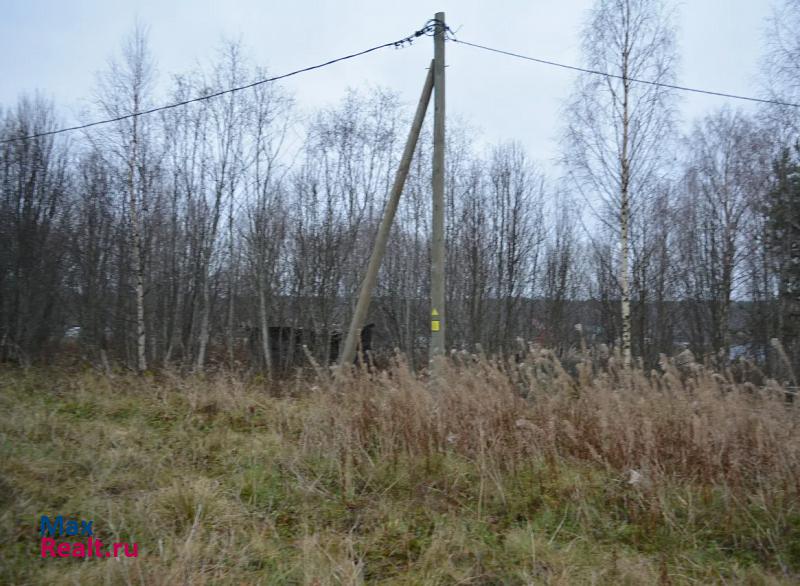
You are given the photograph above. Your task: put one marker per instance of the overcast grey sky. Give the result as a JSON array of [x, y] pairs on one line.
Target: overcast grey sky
[[57, 46]]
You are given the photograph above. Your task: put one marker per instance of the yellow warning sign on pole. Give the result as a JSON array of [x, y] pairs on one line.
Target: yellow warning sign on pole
[[434, 320]]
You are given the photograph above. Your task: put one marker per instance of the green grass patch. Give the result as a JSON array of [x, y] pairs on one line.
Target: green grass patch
[[222, 486]]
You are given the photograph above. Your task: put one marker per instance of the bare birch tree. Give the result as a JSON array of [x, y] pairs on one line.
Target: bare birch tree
[[726, 179], [267, 213], [124, 89], [616, 128]]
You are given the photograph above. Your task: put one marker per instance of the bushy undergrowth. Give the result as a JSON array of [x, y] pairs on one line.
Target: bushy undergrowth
[[494, 473]]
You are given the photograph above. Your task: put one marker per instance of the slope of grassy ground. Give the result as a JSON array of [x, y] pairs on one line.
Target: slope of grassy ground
[[502, 475]]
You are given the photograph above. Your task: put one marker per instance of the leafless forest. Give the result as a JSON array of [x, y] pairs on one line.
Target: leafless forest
[[180, 238]]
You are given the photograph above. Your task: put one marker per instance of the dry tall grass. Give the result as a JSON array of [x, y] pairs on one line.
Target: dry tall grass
[[501, 472], [701, 427]]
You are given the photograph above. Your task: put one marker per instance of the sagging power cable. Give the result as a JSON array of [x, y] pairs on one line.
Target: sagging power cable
[[427, 30], [631, 79]]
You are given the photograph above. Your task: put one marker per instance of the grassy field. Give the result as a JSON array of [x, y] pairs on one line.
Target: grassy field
[[503, 474]]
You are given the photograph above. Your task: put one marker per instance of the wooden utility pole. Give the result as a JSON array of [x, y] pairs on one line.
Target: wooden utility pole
[[364, 297], [437, 346]]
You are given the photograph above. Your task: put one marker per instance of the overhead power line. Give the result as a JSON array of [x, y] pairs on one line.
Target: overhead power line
[[635, 80], [428, 30]]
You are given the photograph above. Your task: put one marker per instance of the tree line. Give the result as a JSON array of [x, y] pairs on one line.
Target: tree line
[[179, 238]]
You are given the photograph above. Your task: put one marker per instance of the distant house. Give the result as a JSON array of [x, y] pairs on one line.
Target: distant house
[[286, 345]]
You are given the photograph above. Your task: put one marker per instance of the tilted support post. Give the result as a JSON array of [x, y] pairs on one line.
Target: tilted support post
[[368, 284]]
